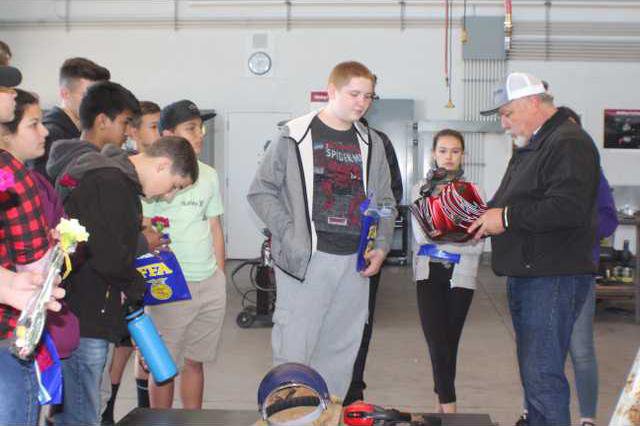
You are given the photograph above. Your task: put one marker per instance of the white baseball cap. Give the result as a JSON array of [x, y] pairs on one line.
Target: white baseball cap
[[517, 85]]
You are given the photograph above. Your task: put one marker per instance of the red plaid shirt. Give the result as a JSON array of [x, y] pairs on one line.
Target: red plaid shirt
[[23, 230]]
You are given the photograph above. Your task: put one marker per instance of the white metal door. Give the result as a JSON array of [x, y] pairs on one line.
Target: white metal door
[[248, 133]]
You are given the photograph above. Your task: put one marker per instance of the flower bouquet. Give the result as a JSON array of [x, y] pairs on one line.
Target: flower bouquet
[[32, 320]]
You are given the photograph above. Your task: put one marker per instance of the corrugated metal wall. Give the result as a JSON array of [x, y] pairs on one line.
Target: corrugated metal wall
[[480, 78]]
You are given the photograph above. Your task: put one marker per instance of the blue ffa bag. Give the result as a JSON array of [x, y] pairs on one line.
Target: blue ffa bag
[[370, 214], [164, 277], [369, 218]]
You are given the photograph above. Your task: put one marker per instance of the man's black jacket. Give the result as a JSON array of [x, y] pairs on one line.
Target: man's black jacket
[[60, 126], [106, 201], [392, 159], [394, 168], [550, 189]]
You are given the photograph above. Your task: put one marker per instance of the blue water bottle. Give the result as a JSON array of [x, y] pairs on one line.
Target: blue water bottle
[[152, 348]]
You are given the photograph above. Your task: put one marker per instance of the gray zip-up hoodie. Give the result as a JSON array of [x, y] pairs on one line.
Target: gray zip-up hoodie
[[281, 193], [76, 157]]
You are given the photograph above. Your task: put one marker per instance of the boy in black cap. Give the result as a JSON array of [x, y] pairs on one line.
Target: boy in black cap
[[183, 118], [191, 328]]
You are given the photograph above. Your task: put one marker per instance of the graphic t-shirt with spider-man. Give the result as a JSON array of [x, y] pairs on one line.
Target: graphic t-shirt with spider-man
[[338, 188]]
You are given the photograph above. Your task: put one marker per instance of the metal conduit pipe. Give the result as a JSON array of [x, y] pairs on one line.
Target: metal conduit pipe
[[508, 25], [479, 80], [593, 29], [242, 12], [336, 3], [249, 23]]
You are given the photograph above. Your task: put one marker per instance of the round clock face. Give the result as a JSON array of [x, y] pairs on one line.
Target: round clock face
[[259, 63]]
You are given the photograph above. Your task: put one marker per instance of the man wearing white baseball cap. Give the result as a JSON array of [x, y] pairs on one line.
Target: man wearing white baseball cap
[[542, 223]]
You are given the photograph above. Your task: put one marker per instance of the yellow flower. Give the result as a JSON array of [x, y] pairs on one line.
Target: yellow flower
[[71, 233]]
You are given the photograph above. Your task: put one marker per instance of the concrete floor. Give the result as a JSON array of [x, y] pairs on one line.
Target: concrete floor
[[398, 370]]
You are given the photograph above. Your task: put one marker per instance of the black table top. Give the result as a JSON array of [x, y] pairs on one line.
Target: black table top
[[174, 417]]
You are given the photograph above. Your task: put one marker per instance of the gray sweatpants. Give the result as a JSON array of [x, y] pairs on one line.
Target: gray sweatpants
[[319, 322]]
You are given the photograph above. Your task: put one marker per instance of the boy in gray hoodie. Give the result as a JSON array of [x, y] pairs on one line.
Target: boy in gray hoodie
[[308, 190]]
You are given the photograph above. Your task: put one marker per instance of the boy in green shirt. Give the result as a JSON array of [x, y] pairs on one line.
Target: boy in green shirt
[[191, 328]]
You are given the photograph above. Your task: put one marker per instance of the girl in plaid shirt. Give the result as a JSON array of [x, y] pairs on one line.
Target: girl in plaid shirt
[[24, 242]]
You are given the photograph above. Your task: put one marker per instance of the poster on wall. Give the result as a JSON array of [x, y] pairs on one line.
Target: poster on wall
[[318, 99], [622, 128]]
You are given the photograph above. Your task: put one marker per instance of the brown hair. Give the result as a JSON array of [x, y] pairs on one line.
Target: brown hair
[[146, 107], [448, 132], [345, 71], [23, 100], [5, 53], [76, 68], [180, 152]]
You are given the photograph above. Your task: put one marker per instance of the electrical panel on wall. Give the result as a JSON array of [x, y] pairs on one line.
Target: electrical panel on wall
[[485, 39], [259, 58]]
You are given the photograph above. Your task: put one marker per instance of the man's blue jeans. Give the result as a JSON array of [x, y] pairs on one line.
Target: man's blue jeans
[[583, 355], [82, 373], [543, 311], [18, 391]]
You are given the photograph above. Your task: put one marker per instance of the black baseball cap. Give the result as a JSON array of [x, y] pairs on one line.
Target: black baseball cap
[[10, 76], [179, 112]]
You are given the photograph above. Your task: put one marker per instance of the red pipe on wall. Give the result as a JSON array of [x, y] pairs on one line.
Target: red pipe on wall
[[508, 25]]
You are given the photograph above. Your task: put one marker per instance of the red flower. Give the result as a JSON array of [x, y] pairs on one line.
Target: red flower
[[160, 222], [68, 181], [6, 180]]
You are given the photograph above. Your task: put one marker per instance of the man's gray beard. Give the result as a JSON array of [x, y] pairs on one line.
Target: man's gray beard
[[520, 141]]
